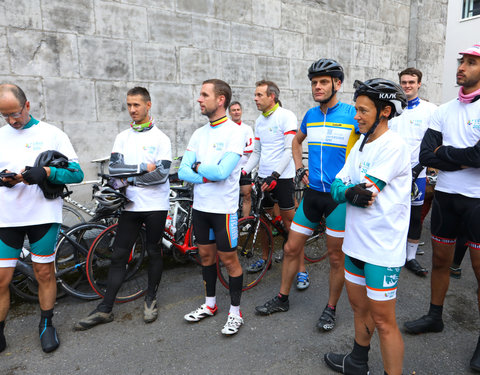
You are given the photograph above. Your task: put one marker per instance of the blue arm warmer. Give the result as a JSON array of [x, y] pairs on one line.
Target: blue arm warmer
[[65, 176], [185, 171], [222, 170]]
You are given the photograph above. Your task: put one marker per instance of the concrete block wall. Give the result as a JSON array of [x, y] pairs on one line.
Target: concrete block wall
[[76, 59]]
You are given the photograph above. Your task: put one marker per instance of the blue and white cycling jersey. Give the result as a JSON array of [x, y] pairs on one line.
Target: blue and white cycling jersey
[[330, 138]]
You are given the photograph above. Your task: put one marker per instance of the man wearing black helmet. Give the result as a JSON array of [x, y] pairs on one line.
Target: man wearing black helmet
[[25, 210], [452, 145], [375, 184], [144, 152], [331, 131]]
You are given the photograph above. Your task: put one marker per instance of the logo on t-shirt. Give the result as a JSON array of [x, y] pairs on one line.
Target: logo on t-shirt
[[219, 146], [273, 129], [149, 149], [36, 146], [416, 123], [475, 123], [364, 165]]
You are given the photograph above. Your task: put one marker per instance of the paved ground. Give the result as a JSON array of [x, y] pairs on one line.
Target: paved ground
[[284, 343]]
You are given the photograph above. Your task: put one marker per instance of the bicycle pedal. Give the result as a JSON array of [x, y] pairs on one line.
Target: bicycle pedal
[[191, 252]]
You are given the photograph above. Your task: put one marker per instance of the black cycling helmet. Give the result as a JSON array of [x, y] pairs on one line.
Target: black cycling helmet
[[326, 67], [381, 91], [52, 158]]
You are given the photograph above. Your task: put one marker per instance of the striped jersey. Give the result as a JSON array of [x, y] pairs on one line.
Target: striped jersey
[[330, 137]]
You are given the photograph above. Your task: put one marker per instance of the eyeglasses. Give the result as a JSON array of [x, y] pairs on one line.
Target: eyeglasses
[[14, 115]]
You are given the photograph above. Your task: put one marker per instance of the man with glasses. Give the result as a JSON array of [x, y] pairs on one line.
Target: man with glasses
[[25, 208]]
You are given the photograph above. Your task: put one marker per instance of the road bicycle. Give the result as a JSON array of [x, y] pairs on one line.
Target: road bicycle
[[255, 241], [178, 240]]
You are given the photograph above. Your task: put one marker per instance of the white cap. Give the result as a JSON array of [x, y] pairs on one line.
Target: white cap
[[474, 51]]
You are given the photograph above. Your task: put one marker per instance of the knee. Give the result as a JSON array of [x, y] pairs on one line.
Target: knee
[[290, 250], [120, 257], [44, 273], [384, 325], [336, 258]]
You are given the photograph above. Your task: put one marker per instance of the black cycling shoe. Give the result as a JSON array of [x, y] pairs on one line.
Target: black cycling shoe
[[48, 338], [416, 268], [273, 306], [345, 364], [475, 361], [326, 322], [425, 324]]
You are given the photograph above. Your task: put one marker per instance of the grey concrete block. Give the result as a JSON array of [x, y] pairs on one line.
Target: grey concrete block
[[322, 23], [43, 53], [252, 39], [245, 96], [198, 65], [288, 44], [316, 47], [185, 130], [273, 69], [4, 52], [234, 10], [343, 51], [154, 62], [299, 74], [72, 16], [72, 99], [375, 32], [210, 33], [170, 129], [163, 4], [21, 13], [351, 28], [294, 17], [105, 58], [304, 103], [129, 21], [170, 28], [172, 101], [111, 100], [392, 12], [204, 7], [267, 13], [238, 69], [33, 88], [91, 140]]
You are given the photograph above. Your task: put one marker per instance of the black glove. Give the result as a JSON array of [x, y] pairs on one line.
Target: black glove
[[358, 195], [301, 172], [5, 174], [34, 175], [195, 166], [271, 180]]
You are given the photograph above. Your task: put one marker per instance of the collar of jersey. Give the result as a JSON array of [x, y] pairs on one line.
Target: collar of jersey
[[31, 123], [413, 103], [221, 120], [331, 109], [269, 112], [238, 123]]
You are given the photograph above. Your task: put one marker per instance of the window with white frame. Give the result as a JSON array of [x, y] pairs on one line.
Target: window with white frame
[[471, 8]]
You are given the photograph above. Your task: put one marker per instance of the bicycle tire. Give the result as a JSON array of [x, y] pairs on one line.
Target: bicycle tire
[[24, 287], [98, 263], [71, 259], [70, 216], [249, 250], [315, 248]]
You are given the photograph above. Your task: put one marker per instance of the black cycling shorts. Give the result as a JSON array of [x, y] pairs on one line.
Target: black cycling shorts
[[221, 229], [282, 194], [453, 214]]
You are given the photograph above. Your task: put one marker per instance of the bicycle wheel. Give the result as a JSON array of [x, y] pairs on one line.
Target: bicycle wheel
[[24, 286], [99, 260], [249, 249], [71, 216], [315, 248], [71, 259]]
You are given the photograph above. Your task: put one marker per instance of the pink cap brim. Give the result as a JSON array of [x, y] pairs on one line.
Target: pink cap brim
[[474, 51]]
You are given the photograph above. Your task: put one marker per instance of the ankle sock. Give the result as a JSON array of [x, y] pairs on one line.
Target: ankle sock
[[46, 318], [283, 297], [3, 342], [359, 352]]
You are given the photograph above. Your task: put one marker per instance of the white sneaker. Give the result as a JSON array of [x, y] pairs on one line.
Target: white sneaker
[[233, 324], [203, 311]]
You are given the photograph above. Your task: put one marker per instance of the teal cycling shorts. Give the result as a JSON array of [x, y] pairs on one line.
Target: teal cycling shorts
[[381, 282]]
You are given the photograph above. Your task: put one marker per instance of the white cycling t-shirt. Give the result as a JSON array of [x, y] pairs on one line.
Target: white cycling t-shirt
[[145, 147], [412, 125], [247, 151], [210, 145], [377, 234], [270, 132], [459, 124], [24, 204]]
